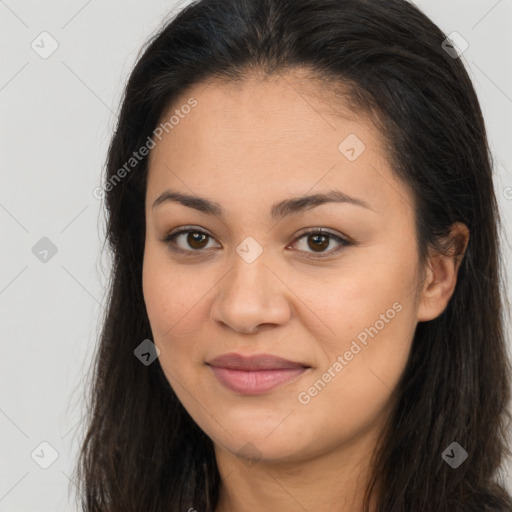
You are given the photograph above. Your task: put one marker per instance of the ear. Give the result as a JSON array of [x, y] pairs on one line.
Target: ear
[[441, 274]]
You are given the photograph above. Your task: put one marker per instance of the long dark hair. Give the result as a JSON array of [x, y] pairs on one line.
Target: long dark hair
[[141, 450]]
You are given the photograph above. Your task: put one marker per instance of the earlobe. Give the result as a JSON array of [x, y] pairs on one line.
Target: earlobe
[[441, 274]]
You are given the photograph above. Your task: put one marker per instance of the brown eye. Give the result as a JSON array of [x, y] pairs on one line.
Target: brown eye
[[192, 240], [196, 239], [318, 240]]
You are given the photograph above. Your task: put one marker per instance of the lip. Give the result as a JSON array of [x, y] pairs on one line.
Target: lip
[[253, 375]]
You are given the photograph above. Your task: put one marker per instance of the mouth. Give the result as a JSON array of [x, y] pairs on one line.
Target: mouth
[[255, 375]]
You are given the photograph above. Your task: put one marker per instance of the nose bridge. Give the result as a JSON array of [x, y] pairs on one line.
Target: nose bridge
[[249, 278], [250, 294]]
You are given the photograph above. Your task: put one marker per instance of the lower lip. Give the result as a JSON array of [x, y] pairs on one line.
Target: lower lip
[[255, 382]]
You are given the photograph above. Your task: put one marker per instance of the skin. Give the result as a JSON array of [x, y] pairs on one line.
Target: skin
[[246, 147]]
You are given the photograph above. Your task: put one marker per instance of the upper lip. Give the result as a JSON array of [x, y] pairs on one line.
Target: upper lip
[[234, 361]]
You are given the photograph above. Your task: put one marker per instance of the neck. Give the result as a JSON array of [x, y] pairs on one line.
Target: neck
[[333, 481]]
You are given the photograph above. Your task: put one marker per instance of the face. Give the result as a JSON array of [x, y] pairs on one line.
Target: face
[[246, 277]]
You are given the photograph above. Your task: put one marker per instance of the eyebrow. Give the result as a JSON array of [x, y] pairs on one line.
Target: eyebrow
[[278, 211]]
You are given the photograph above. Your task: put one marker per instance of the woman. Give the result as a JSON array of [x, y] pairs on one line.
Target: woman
[[305, 308]]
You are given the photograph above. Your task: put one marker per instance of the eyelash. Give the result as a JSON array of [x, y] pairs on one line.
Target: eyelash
[[171, 242]]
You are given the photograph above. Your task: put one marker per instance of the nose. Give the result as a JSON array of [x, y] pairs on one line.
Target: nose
[[251, 296]]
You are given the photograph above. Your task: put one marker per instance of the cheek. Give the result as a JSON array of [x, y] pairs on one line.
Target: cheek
[[166, 295], [362, 364], [371, 303], [172, 305], [173, 300], [370, 322]]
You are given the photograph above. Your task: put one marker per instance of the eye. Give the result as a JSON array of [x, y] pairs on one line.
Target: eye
[[317, 239], [195, 239]]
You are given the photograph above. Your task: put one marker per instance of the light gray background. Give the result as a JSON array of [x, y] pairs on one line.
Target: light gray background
[[57, 116]]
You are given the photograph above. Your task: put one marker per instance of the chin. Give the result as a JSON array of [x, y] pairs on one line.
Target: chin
[[252, 450], [249, 441]]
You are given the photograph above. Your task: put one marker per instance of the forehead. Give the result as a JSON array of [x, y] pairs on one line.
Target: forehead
[[279, 135], [268, 111]]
